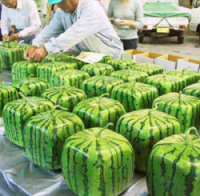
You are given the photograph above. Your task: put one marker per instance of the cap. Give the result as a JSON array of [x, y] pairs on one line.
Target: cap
[[51, 2]]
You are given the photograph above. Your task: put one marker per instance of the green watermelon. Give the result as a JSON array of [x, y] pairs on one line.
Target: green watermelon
[[7, 94], [24, 69], [64, 57], [193, 90], [46, 70], [166, 83], [99, 85], [173, 167], [184, 107], [120, 64], [69, 77], [98, 69], [11, 53], [129, 75], [16, 113], [99, 111], [98, 162], [106, 59], [31, 86], [45, 135], [143, 129], [135, 96], [65, 96], [150, 69], [190, 77]]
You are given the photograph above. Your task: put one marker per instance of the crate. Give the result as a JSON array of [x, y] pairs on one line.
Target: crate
[[168, 62], [192, 64]]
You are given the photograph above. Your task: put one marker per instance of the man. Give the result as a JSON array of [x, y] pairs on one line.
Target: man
[[24, 15], [81, 24]]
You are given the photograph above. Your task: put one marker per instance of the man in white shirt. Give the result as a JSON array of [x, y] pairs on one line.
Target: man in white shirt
[[24, 15], [81, 24]]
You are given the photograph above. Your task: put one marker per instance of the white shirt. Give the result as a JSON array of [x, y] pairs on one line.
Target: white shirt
[[88, 28], [24, 17]]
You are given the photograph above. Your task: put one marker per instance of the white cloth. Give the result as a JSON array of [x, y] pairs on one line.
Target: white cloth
[[25, 17], [88, 28]]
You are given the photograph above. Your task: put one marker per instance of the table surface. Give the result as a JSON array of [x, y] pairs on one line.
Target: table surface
[[19, 175]]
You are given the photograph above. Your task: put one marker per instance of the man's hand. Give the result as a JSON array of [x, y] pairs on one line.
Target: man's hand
[[5, 37], [39, 54], [14, 36], [28, 52]]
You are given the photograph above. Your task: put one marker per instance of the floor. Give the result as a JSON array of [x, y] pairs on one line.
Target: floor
[[191, 49], [169, 45]]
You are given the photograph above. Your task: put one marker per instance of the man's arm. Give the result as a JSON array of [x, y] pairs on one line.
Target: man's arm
[[34, 20], [5, 22], [54, 29], [90, 22]]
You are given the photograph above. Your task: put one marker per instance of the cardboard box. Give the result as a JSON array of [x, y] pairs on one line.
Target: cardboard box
[[168, 62], [148, 57], [192, 64], [131, 54]]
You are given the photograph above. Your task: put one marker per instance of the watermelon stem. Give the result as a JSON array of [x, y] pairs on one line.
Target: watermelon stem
[[106, 127], [164, 75], [185, 69], [189, 132], [102, 96], [58, 107], [152, 110], [23, 97]]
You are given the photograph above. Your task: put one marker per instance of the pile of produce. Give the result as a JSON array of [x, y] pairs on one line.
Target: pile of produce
[[64, 57], [129, 75], [190, 77], [135, 96], [54, 127], [150, 69], [173, 166], [99, 111], [184, 107], [99, 85], [193, 90], [143, 129], [166, 83], [120, 64], [57, 111], [69, 77], [7, 94], [98, 162], [16, 113], [46, 70], [98, 69], [31, 86], [24, 69], [11, 52], [65, 96]]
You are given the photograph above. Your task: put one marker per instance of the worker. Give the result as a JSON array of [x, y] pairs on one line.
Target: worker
[[81, 24], [24, 15], [51, 10], [127, 18]]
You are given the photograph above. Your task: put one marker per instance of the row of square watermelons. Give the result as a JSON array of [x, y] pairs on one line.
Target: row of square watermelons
[[110, 156]]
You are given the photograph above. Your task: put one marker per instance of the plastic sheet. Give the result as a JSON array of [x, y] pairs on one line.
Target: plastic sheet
[[164, 10], [19, 177]]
